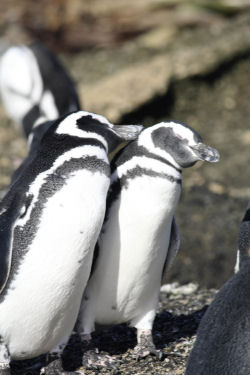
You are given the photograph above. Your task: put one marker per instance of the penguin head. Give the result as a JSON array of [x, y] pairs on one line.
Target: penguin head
[[178, 143], [81, 124]]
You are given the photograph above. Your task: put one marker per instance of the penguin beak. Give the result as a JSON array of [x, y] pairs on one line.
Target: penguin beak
[[206, 153], [127, 132]]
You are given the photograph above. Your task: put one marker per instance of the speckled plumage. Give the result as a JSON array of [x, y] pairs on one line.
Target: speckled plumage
[[50, 220]]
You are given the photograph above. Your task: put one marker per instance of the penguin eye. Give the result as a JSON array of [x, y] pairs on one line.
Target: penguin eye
[[179, 136]]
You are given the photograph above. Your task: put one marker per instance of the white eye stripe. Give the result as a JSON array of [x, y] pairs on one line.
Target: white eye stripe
[[69, 126], [145, 140], [98, 118]]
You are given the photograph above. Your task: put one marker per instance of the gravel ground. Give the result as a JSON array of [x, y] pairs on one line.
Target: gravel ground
[[178, 317]]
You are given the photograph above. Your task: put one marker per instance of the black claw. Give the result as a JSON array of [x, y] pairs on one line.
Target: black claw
[[146, 347], [142, 351]]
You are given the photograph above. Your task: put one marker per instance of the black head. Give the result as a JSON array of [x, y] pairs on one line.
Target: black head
[[178, 143], [84, 125]]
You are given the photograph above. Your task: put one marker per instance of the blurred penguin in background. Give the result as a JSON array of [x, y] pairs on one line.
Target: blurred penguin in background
[[35, 87], [222, 346]]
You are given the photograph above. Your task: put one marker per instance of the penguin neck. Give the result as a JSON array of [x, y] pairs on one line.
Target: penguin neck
[[59, 144], [136, 162], [48, 160], [138, 153]]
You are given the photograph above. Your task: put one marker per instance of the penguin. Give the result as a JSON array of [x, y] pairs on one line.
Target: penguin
[[222, 346], [50, 220], [243, 240], [139, 239], [34, 86]]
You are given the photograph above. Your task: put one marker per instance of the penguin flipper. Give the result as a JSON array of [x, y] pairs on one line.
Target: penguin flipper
[[10, 211], [6, 226], [173, 248]]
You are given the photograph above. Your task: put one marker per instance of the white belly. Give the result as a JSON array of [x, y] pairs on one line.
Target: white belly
[[132, 253], [42, 303]]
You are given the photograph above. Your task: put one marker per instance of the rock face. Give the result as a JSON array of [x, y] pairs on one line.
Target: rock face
[[201, 80], [138, 84]]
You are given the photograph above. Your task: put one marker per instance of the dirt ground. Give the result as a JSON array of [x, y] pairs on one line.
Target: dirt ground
[[179, 314]]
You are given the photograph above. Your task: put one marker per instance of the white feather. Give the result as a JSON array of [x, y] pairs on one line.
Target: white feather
[[20, 82], [237, 264], [69, 126]]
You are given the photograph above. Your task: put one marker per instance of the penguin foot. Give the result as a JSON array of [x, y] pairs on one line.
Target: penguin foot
[[93, 359], [142, 351], [145, 345], [55, 368]]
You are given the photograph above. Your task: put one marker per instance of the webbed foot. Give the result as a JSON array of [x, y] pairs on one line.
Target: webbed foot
[[141, 351], [146, 346]]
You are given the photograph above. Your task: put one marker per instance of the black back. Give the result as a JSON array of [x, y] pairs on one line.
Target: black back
[[223, 339], [56, 79], [222, 346], [244, 236]]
